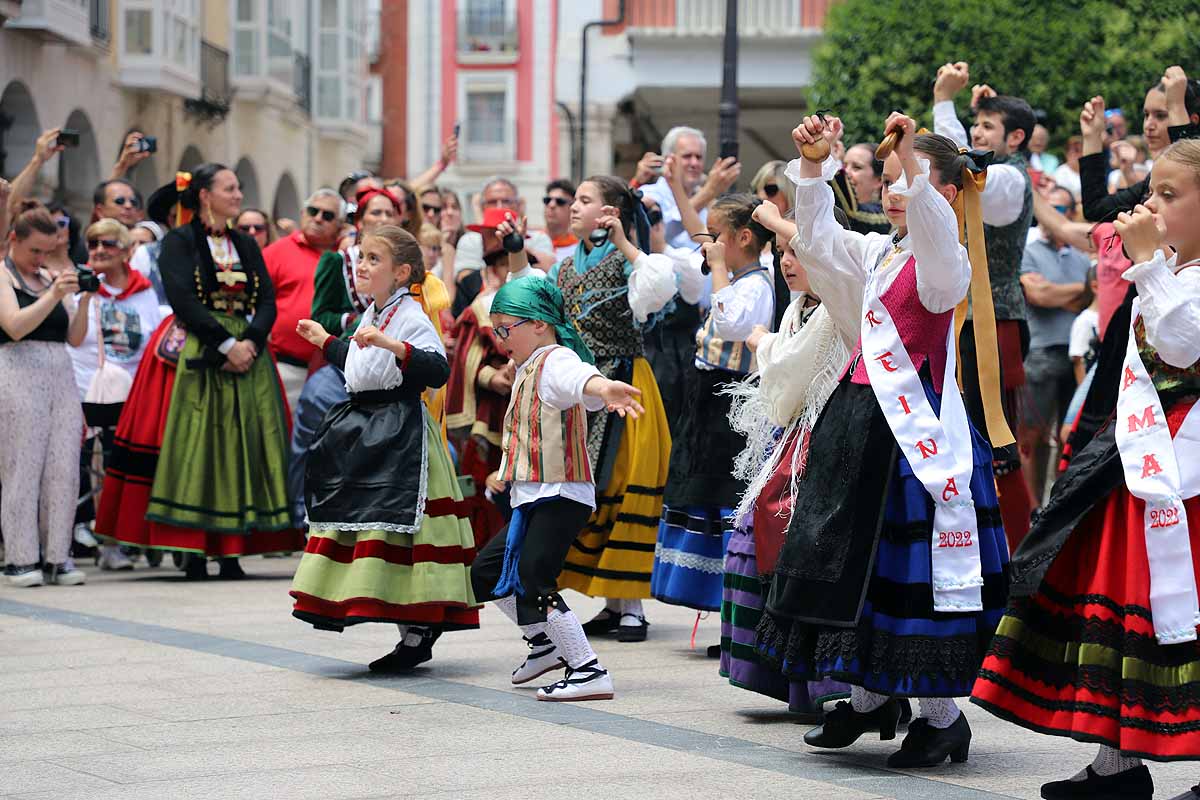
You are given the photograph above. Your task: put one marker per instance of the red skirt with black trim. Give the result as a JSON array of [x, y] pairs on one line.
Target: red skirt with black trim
[[1078, 658]]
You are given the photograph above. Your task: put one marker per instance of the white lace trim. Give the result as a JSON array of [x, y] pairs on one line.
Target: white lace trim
[[678, 558], [422, 491]]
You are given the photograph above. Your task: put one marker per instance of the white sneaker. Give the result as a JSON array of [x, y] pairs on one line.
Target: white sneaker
[[589, 682], [65, 574], [84, 535], [543, 657], [23, 577], [112, 558]]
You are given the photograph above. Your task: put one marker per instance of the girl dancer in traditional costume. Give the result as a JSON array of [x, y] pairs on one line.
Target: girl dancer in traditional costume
[[388, 541], [1100, 644], [892, 577], [798, 369], [611, 288], [549, 473], [701, 489]]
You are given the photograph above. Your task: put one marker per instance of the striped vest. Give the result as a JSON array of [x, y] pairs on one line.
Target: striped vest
[[716, 352], [541, 443]]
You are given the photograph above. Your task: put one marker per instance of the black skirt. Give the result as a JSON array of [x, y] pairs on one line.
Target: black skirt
[[366, 467], [704, 447]]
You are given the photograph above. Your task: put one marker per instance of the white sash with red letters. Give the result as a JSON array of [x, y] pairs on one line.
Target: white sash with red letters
[[1154, 474], [939, 451]]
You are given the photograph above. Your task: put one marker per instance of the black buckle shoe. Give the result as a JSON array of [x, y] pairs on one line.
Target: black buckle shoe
[[604, 623], [843, 725], [1130, 784], [927, 746], [405, 657], [632, 633], [195, 567], [231, 570]]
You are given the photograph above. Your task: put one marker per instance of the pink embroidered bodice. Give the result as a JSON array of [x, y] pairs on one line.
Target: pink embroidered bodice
[[922, 331]]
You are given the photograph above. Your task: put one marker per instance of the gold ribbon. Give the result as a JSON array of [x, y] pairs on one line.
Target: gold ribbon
[[434, 298], [987, 354], [182, 215]]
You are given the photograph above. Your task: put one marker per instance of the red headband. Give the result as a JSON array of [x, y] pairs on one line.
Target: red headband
[[366, 194]]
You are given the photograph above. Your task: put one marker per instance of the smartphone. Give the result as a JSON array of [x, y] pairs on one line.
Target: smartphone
[[457, 129], [68, 138], [729, 149], [147, 144]]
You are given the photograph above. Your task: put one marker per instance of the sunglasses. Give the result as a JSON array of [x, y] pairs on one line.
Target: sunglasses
[[128, 201], [64, 222], [1064, 209], [502, 331], [111, 244], [432, 209], [251, 228], [770, 189], [558, 201], [313, 211]]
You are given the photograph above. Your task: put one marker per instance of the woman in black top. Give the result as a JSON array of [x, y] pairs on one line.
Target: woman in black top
[[40, 416]]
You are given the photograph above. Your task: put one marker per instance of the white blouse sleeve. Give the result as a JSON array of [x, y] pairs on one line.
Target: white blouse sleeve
[[562, 381], [687, 273], [835, 259], [651, 285], [946, 123], [943, 270], [1170, 307], [738, 307], [1003, 195]]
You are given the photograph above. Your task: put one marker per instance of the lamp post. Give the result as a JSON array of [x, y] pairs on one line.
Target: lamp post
[[728, 110]]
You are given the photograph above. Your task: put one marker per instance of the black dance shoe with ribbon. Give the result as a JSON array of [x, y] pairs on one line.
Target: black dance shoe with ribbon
[[843, 725], [927, 746]]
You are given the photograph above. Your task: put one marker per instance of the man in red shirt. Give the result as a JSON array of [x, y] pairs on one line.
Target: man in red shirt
[[292, 265]]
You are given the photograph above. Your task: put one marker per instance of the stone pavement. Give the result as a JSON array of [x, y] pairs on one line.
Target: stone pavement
[[141, 686]]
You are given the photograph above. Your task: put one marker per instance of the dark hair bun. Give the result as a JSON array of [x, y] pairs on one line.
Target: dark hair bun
[[202, 178]]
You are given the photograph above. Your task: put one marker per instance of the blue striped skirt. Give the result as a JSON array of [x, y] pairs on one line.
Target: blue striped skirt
[[689, 557]]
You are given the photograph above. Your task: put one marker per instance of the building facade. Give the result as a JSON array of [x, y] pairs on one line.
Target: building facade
[[274, 88]]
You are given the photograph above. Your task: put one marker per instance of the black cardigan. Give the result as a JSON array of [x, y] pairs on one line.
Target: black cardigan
[[1098, 204], [189, 277]]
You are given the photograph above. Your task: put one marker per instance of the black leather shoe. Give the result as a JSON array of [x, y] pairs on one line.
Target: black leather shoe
[[195, 567], [604, 623], [629, 632], [231, 570], [1131, 784], [843, 725], [927, 746]]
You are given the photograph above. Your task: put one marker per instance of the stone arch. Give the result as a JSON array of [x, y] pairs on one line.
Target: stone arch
[[287, 199], [190, 159], [79, 167], [19, 128], [248, 178]]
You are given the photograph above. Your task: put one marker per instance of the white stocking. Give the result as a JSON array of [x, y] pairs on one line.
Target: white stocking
[[564, 630], [865, 702], [940, 711], [508, 605], [1109, 761]]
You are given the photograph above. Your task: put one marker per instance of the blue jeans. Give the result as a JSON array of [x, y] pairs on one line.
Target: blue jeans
[[324, 389]]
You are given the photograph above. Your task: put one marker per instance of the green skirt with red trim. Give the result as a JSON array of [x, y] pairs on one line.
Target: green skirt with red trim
[[347, 577]]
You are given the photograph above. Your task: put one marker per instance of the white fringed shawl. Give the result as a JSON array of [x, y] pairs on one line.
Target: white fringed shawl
[[798, 369]]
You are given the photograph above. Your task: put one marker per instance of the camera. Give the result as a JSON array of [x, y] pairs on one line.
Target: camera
[[146, 144], [89, 281], [68, 138], [598, 237]]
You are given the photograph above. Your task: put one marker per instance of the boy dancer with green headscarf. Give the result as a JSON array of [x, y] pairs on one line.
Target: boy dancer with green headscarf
[[545, 462]]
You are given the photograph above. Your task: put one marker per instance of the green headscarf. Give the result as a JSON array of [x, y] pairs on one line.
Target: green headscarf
[[537, 298]]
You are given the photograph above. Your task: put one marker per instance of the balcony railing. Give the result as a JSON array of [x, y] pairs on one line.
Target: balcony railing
[[216, 93], [487, 29], [99, 20], [303, 82], [707, 17]]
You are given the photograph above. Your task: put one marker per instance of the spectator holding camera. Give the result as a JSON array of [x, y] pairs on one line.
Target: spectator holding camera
[[40, 414]]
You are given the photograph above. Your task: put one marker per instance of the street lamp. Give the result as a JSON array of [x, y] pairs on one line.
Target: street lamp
[[728, 110]]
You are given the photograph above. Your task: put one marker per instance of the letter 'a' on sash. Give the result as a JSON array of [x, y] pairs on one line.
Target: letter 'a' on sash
[[939, 451], [1153, 474]]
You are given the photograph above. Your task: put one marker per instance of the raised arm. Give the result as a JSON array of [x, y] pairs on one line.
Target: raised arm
[[1170, 301], [951, 79]]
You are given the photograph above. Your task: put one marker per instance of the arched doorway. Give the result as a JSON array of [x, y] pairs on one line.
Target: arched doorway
[[79, 167], [287, 199], [19, 128], [248, 178], [190, 159]]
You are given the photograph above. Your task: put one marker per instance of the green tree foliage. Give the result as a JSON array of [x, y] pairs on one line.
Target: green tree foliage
[[879, 56]]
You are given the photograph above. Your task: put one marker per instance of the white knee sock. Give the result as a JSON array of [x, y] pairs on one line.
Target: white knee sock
[[863, 701], [940, 711], [508, 605], [564, 630], [631, 607], [1109, 761]]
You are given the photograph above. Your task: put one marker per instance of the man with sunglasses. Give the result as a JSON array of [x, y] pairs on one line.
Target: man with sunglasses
[[292, 264], [113, 199], [557, 213]]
